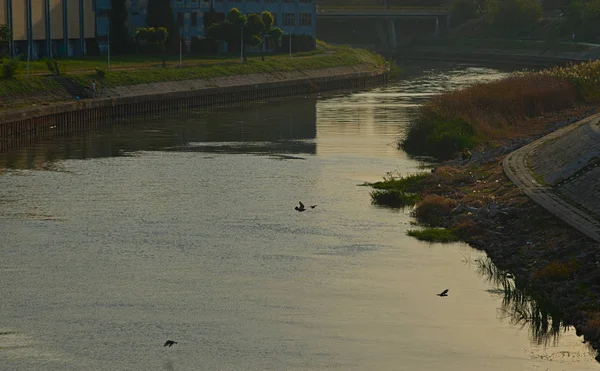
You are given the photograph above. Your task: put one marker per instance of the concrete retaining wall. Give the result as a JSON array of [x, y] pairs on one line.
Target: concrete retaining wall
[[27, 124]]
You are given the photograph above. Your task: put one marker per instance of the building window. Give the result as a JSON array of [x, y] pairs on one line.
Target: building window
[[194, 19], [288, 1], [305, 19], [253, 1], [306, 1], [270, 1], [274, 19], [180, 19], [289, 19]]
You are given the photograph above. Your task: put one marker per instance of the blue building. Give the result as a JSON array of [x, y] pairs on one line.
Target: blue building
[[296, 17]]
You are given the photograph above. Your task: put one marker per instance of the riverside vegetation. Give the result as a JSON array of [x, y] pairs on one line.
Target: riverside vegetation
[[40, 86], [469, 198]]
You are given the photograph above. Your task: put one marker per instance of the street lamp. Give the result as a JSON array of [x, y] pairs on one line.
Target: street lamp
[[180, 47], [108, 44]]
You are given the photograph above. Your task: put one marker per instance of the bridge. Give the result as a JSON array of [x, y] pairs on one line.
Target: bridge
[[382, 16], [375, 12]]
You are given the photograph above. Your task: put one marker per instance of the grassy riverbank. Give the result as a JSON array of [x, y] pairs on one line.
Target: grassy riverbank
[[472, 200], [131, 70], [484, 113]]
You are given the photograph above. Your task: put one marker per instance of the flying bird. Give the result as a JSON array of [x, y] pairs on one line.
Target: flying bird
[[313, 206], [301, 207], [169, 343], [443, 293]]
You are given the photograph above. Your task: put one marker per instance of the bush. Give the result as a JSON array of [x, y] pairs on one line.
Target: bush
[[511, 16], [435, 235], [10, 67], [463, 11], [461, 119], [393, 198], [433, 209], [557, 271], [100, 73], [53, 66]]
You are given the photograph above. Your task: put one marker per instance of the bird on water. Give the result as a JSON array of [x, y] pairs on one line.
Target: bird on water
[[302, 208], [443, 293], [169, 343]]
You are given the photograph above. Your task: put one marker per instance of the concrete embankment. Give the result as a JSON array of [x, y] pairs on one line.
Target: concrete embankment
[[561, 173], [179, 97]]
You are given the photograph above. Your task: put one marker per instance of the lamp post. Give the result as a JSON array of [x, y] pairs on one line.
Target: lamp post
[[242, 45], [108, 45], [180, 47]]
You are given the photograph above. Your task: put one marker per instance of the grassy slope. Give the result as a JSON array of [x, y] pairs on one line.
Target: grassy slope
[[137, 70], [487, 112]]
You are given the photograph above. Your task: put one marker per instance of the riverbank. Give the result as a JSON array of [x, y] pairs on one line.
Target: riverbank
[[35, 90], [529, 53], [470, 198], [173, 98]]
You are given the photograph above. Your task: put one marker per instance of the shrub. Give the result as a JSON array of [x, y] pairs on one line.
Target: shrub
[[394, 198], [511, 16], [433, 209], [462, 11], [410, 183], [434, 235], [557, 270], [10, 67], [53, 66], [461, 119], [100, 73]]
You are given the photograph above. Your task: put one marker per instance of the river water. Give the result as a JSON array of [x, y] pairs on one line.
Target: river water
[[185, 229]]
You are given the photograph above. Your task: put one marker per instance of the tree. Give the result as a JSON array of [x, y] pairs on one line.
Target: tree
[[274, 33], [119, 35], [152, 39], [160, 14], [255, 27], [5, 33], [512, 16], [462, 11]]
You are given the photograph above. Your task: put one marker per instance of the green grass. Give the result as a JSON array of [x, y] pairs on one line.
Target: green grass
[[141, 69], [341, 57], [394, 198], [396, 190], [435, 235], [410, 183]]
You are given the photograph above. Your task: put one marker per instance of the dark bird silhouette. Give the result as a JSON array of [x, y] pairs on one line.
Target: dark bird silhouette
[[301, 207], [443, 293], [313, 206], [169, 343]]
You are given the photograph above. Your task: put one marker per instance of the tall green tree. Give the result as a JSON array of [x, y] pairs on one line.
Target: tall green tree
[[255, 27], [120, 41], [160, 14], [509, 17], [5, 33]]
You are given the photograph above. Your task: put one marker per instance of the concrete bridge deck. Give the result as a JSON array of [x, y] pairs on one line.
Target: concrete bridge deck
[[381, 12]]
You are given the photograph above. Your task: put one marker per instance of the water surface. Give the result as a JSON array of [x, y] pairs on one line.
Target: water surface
[[185, 229]]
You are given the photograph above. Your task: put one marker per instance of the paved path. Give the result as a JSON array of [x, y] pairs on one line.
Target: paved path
[[559, 200]]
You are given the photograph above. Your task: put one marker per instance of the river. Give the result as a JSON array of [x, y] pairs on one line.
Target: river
[[185, 229]]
